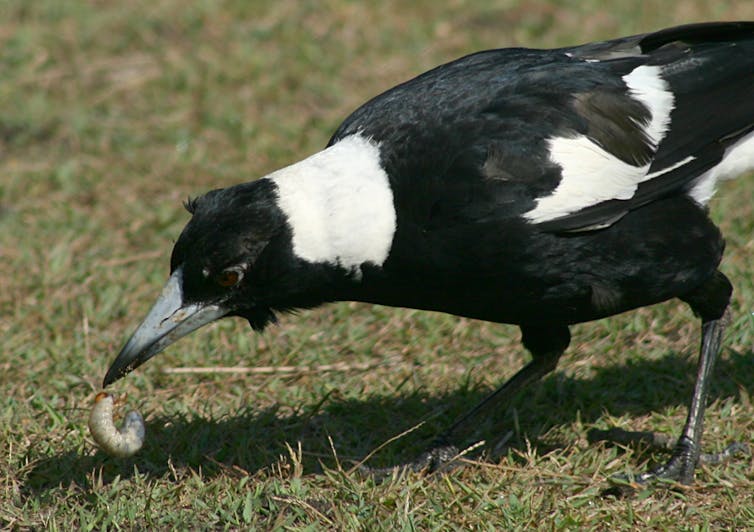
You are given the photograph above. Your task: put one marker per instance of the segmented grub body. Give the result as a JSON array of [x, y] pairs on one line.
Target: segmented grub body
[[120, 442]]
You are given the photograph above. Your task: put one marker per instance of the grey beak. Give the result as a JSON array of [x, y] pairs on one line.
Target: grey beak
[[167, 321]]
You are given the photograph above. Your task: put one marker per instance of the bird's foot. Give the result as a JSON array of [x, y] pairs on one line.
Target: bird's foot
[[678, 470], [616, 436], [737, 448], [440, 457]]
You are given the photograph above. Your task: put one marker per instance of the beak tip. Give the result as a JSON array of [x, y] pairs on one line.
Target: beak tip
[[168, 320], [113, 374], [108, 380]]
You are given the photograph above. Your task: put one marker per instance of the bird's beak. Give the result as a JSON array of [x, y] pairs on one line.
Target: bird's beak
[[169, 320]]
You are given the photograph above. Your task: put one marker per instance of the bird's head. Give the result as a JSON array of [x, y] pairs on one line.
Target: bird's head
[[301, 236], [219, 267]]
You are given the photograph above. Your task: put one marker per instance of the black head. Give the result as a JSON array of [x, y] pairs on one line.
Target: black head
[[217, 267], [222, 250]]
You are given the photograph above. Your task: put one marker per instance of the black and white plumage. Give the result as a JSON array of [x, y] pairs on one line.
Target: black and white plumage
[[540, 188]]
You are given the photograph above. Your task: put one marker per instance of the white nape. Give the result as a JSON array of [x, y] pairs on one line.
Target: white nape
[[339, 205], [589, 173]]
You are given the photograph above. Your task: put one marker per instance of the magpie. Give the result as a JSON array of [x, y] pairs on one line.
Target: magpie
[[540, 188]]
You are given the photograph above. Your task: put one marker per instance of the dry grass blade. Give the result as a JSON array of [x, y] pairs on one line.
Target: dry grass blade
[[360, 464], [284, 370], [136, 257]]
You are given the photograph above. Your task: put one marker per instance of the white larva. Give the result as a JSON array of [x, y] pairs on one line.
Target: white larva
[[122, 442]]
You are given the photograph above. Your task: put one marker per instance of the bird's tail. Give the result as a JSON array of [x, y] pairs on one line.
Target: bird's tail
[[710, 71]]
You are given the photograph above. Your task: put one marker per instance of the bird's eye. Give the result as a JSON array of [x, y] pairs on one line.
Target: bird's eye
[[228, 278]]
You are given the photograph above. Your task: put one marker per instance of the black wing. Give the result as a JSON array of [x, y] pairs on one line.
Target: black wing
[[568, 139]]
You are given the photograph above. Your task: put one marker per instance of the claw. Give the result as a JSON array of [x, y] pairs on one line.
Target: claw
[[440, 457], [676, 471], [736, 448]]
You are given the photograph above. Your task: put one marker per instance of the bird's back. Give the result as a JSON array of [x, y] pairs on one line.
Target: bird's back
[[509, 133], [524, 180]]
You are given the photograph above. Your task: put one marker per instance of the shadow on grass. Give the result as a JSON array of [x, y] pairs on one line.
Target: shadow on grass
[[253, 440]]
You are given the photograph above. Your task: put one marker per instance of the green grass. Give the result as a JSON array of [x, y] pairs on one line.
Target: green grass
[[114, 112]]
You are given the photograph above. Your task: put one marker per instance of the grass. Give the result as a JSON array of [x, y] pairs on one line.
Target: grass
[[114, 112]]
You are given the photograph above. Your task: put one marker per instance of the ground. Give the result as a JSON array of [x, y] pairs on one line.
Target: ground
[[114, 112]]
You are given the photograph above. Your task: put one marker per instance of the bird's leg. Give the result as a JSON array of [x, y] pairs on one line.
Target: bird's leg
[[546, 344], [687, 449], [710, 302]]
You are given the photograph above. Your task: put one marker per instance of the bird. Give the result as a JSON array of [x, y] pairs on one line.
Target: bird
[[539, 188]]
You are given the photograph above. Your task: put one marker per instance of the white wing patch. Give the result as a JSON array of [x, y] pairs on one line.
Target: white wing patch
[[646, 85], [591, 174], [339, 204], [738, 159]]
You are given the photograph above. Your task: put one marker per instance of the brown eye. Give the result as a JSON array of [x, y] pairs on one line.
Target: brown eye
[[228, 278]]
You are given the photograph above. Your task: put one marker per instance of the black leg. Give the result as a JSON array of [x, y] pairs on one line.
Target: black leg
[[546, 344], [687, 449], [710, 302]]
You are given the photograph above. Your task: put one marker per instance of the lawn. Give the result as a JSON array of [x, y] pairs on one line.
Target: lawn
[[115, 112]]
